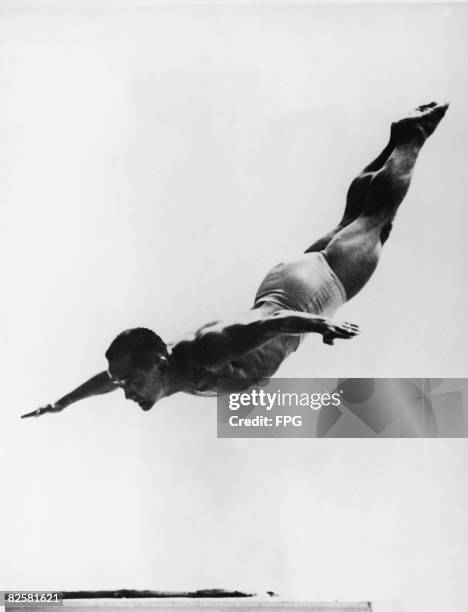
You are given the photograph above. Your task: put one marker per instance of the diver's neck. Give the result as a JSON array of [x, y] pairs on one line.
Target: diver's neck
[[173, 380]]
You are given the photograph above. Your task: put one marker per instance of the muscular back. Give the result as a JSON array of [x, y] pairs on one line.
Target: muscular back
[[238, 373]]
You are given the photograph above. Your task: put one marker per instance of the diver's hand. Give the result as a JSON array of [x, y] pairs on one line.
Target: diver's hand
[[57, 407], [339, 330]]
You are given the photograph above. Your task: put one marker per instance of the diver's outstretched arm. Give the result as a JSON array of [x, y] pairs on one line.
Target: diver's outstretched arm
[[99, 384], [221, 343], [287, 322]]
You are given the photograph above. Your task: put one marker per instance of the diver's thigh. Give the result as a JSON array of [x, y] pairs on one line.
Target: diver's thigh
[[353, 254]]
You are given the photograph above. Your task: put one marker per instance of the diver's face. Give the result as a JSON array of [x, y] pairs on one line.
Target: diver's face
[[145, 387]]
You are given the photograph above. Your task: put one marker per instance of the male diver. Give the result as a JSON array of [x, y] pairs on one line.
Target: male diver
[[295, 298]]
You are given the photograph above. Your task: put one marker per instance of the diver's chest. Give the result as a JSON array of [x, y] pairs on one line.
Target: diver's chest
[[229, 378], [241, 373]]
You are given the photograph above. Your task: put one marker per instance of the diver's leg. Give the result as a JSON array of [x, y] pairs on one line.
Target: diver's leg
[[353, 253], [356, 196], [358, 190]]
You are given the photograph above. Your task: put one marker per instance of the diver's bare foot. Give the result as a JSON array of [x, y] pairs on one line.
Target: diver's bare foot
[[423, 121]]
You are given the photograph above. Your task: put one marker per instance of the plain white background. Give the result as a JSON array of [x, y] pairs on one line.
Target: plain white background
[[155, 162]]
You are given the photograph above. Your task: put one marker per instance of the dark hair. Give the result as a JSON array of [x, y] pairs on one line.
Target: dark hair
[[142, 345]]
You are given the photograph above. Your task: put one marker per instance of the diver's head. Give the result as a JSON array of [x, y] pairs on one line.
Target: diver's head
[[138, 361]]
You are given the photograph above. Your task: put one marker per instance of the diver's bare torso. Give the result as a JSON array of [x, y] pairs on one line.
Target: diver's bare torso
[[305, 284], [241, 352], [234, 375]]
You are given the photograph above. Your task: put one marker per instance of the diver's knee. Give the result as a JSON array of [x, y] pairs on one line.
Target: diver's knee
[[385, 232]]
